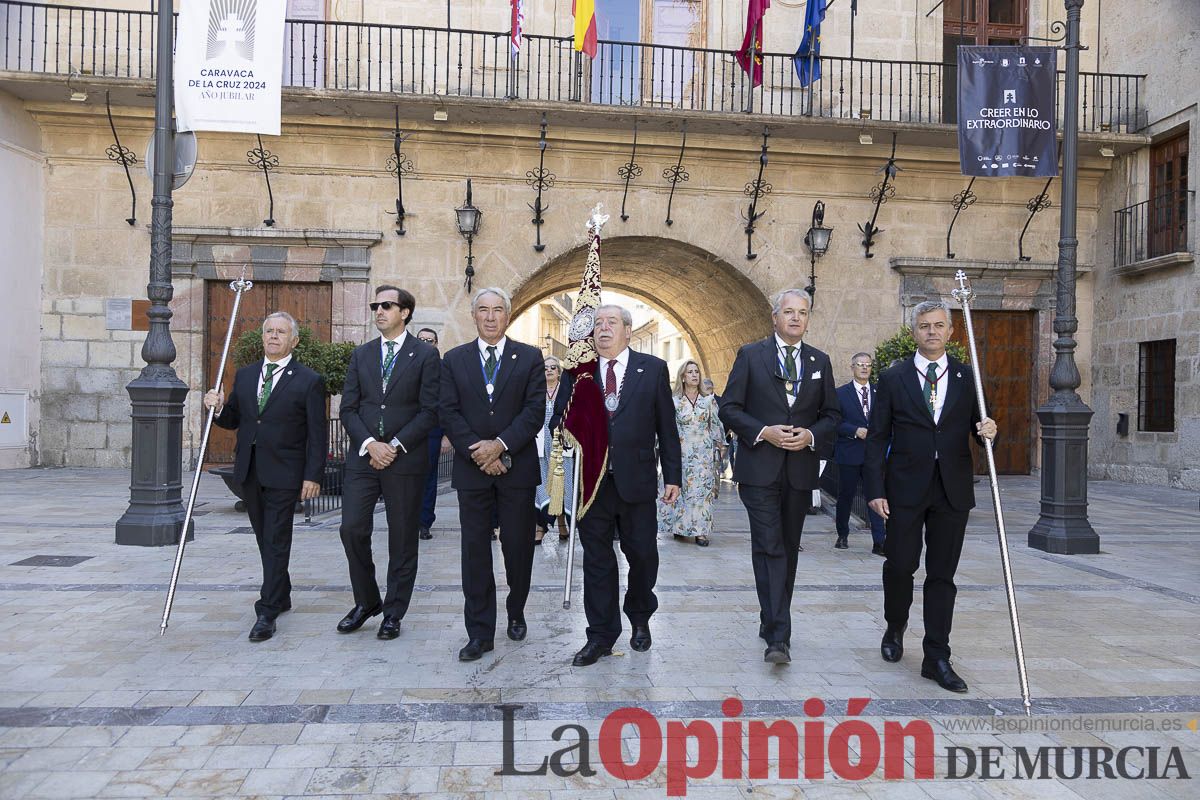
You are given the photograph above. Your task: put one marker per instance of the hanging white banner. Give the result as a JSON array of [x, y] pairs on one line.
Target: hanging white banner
[[229, 65]]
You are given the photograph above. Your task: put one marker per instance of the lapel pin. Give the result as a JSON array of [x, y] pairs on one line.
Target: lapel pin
[[812, 358], [289, 372], [958, 374], [640, 369]]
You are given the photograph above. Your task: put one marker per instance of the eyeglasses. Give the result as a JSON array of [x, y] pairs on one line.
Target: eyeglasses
[[427, 340], [861, 366], [551, 367], [386, 305]]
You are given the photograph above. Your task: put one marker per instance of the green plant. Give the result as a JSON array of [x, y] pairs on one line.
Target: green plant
[[903, 345], [327, 359]]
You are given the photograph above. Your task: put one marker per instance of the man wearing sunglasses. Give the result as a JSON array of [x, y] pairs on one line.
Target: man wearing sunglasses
[[389, 405]]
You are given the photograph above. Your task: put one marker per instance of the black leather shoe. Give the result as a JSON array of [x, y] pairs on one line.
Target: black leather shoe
[[841, 544], [263, 629], [357, 616], [425, 534], [777, 653], [640, 640], [940, 670], [877, 550], [474, 649], [517, 629], [892, 646], [589, 654], [389, 628]]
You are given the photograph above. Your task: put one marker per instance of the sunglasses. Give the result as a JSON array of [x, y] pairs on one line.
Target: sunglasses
[[386, 305], [427, 341]]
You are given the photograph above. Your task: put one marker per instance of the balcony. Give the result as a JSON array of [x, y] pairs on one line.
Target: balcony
[[438, 62], [1153, 234]]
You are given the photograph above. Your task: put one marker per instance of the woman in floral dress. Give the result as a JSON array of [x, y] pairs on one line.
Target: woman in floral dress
[[703, 441]]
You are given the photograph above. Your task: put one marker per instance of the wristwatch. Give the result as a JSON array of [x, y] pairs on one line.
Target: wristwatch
[[506, 460]]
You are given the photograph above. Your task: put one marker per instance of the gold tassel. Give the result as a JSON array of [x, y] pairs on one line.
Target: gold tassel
[[556, 485]]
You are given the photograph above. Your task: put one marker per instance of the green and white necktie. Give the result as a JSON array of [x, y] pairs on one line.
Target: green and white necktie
[[931, 378], [789, 362], [268, 382], [388, 363]]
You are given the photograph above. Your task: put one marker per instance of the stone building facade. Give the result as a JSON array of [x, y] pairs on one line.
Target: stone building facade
[[335, 230]]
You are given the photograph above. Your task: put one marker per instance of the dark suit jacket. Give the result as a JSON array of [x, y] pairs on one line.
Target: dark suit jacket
[[408, 404], [901, 417], [289, 440], [646, 413], [755, 397], [515, 414], [849, 449]]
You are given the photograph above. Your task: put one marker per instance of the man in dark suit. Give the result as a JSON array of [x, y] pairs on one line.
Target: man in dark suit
[[277, 407], [493, 405], [856, 399], [781, 403], [438, 444], [637, 396], [925, 411], [389, 405]]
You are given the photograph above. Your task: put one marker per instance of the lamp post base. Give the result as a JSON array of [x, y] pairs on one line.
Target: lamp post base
[[155, 514], [1063, 525]]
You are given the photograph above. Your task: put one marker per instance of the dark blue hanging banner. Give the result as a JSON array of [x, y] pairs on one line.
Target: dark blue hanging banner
[[1006, 111]]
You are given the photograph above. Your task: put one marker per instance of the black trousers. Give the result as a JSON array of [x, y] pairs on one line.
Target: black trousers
[[637, 526], [516, 513], [271, 513], [944, 529], [776, 515], [849, 477], [402, 495]]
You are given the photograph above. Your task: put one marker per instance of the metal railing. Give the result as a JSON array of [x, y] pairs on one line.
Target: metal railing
[[334, 479], [417, 60], [1152, 228]]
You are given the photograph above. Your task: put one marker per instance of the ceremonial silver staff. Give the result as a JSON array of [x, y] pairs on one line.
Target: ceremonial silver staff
[[578, 468], [963, 295], [238, 287]]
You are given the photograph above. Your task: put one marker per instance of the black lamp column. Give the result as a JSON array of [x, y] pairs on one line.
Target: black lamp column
[[817, 242], [1063, 526], [155, 513], [468, 218]]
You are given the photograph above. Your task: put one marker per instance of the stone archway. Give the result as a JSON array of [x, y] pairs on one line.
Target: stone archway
[[716, 306]]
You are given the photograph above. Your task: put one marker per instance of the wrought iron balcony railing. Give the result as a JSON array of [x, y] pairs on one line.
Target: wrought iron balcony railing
[[1153, 228], [416, 60]]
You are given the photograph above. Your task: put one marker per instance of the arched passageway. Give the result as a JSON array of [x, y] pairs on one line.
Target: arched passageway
[[715, 305]]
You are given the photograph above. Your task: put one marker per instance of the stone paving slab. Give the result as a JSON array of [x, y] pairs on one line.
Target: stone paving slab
[[94, 703]]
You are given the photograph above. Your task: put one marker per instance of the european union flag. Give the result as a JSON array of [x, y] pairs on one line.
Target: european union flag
[[808, 55]]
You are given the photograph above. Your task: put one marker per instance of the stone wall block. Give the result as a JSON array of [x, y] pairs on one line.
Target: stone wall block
[[87, 436], [110, 354], [59, 353]]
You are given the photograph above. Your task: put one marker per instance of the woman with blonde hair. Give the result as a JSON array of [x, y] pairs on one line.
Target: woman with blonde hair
[[555, 404], [703, 441]]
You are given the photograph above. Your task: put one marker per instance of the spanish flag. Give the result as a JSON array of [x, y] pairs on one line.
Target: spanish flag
[[584, 12]]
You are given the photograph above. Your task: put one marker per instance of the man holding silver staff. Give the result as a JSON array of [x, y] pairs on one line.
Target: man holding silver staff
[[389, 405], [493, 403], [277, 407], [919, 476]]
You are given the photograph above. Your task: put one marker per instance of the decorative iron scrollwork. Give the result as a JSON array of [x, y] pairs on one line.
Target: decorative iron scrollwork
[[399, 165], [756, 190], [1035, 205], [628, 171], [883, 192], [961, 200], [676, 174], [540, 179], [123, 156], [265, 160]]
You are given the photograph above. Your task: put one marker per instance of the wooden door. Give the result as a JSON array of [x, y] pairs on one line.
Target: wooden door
[[1168, 197], [1007, 345], [310, 303]]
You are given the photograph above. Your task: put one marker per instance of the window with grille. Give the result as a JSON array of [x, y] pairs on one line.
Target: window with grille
[[1156, 386]]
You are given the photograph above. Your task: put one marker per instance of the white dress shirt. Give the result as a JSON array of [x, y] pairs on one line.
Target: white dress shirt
[[383, 357], [483, 354], [922, 363], [858, 395], [619, 365], [781, 358]]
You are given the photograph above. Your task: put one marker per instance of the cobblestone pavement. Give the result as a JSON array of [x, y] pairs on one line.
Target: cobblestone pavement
[[94, 703]]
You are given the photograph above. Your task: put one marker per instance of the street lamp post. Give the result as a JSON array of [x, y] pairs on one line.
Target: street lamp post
[[1063, 525], [817, 242], [155, 513], [468, 218]]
